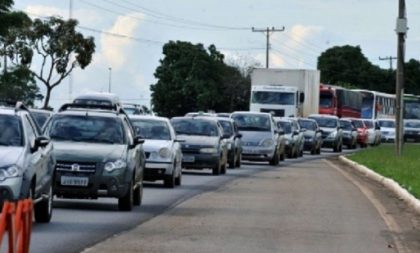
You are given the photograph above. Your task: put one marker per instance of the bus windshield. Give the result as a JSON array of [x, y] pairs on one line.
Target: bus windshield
[[272, 97], [325, 100]]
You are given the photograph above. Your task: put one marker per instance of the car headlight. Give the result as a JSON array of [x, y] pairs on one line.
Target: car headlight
[[208, 150], [287, 142], [8, 172], [116, 165], [333, 134], [267, 143], [164, 153]]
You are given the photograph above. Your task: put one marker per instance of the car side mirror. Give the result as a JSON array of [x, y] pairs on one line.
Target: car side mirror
[[303, 129], [137, 141], [225, 136], [319, 131], [281, 132], [239, 136], [296, 132], [178, 140], [40, 141]]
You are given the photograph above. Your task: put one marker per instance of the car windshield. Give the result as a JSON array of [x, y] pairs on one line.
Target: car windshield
[[269, 97], [307, 124], [346, 125], [40, 118], [132, 110], [86, 129], [152, 129], [412, 124], [386, 123], [325, 100], [368, 124], [10, 131], [358, 123], [325, 122], [286, 126], [193, 126], [252, 122], [227, 127]]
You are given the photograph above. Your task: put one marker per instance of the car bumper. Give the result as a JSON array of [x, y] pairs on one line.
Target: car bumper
[[388, 139], [308, 145], [157, 170], [10, 189], [412, 137], [200, 161], [347, 140], [257, 153], [329, 143]]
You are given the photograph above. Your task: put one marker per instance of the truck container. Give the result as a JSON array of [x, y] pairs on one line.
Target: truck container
[[285, 92]]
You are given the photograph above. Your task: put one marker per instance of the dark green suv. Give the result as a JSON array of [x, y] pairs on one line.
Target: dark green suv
[[97, 153]]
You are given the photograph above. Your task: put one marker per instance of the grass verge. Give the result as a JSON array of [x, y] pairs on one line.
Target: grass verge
[[405, 169]]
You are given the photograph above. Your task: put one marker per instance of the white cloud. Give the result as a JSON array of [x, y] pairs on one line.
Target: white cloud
[[116, 49]]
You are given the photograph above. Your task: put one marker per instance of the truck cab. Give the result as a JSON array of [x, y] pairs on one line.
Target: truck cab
[[279, 100]]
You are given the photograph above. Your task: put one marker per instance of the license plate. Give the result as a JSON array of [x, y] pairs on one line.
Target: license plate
[[74, 181], [188, 159]]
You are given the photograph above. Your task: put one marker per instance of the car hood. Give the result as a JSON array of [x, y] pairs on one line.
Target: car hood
[[387, 129], [89, 152], [10, 155], [309, 133], [255, 136], [155, 145], [328, 130], [200, 140]]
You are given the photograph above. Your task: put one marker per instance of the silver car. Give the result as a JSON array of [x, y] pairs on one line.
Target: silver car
[[312, 135], [299, 133], [290, 137], [162, 149], [234, 144], [260, 137], [332, 133]]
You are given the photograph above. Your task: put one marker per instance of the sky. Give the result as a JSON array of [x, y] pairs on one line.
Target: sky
[[129, 35]]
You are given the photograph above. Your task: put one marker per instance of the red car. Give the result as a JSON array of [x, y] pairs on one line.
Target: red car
[[362, 132]]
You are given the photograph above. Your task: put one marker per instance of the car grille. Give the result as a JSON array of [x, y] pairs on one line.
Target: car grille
[[147, 154], [191, 149], [250, 143], [76, 166], [325, 134]]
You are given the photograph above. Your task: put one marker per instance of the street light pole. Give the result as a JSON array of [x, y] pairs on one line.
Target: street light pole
[[109, 79]]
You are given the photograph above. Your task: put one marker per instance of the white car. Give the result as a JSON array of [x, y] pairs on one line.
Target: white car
[[387, 129], [162, 149], [374, 132]]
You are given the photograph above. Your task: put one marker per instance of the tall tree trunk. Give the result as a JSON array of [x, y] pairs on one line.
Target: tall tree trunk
[[47, 98]]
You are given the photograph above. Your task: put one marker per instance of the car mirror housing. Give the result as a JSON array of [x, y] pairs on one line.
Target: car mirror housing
[[40, 141], [238, 135], [178, 140], [138, 140]]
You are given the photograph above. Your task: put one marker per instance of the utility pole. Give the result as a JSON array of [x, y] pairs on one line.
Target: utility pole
[[70, 75], [109, 79], [388, 58], [401, 30], [268, 31]]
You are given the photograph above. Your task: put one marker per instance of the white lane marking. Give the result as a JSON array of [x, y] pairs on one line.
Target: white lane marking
[[388, 219]]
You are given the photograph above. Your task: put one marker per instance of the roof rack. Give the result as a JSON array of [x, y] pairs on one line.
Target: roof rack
[[89, 106]]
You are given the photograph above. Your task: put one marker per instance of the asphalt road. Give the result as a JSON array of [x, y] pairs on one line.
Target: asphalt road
[[78, 224]]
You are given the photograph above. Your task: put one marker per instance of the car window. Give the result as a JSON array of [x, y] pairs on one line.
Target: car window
[[40, 117], [152, 129], [307, 124], [326, 122], [346, 125], [11, 131], [86, 129], [252, 122], [227, 127], [195, 127], [368, 124], [358, 123], [386, 123], [412, 124], [286, 126]]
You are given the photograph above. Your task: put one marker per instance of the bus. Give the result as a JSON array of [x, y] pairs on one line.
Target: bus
[[338, 101], [377, 104], [411, 106]]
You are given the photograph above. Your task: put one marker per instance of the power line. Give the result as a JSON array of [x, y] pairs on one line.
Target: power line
[[388, 58], [305, 43], [294, 58]]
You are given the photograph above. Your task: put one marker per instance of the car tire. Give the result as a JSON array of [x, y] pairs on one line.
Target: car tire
[[238, 161], [43, 209], [169, 181], [216, 169], [276, 159], [178, 179], [138, 195], [223, 169], [295, 154], [125, 203], [318, 152], [282, 156], [232, 161]]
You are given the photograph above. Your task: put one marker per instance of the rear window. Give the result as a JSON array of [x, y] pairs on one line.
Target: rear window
[[195, 127], [10, 131]]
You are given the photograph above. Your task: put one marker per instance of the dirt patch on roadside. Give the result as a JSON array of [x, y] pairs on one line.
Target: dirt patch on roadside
[[407, 218]]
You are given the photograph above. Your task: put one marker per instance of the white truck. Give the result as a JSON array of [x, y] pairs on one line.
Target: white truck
[[285, 92]]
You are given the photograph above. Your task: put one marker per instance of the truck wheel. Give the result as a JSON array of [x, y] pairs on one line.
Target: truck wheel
[[125, 203], [43, 209]]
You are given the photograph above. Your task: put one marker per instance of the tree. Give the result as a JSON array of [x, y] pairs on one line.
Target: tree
[[60, 48], [191, 78], [412, 80]]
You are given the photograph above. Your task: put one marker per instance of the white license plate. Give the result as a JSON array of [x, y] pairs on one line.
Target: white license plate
[[188, 159], [74, 181]]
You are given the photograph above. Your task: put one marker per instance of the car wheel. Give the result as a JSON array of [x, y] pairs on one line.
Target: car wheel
[[43, 209], [238, 161], [216, 169], [169, 181], [276, 159], [138, 195], [125, 203], [282, 156], [296, 154], [318, 152], [232, 161], [178, 179], [223, 169]]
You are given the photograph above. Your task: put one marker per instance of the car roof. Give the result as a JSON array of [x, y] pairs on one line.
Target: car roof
[[306, 119], [41, 111], [148, 117], [208, 118], [251, 113], [282, 119], [323, 116], [113, 98], [88, 112], [345, 119]]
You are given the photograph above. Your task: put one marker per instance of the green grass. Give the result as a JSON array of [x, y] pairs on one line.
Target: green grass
[[405, 169]]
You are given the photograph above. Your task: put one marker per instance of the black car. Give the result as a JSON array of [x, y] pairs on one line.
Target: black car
[[27, 161], [349, 133], [205, 143], [97, 153], [412, 130]]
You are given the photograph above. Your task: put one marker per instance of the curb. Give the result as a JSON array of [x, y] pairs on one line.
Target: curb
[[390, 184]]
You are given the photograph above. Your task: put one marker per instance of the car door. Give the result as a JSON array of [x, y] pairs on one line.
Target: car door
[[135, 159]]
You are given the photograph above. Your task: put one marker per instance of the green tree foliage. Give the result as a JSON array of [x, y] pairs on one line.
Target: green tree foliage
[[18, 84], [60, 49], [347, 65], [191, 78]]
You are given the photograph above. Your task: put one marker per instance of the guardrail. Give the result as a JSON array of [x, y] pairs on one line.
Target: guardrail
[[16, 223]]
